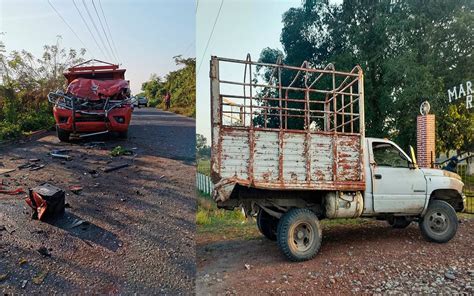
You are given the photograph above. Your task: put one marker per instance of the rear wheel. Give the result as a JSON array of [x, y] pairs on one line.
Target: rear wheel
[[299, 234], [267, 225], [398, 222], [63, 135], [440, 222]]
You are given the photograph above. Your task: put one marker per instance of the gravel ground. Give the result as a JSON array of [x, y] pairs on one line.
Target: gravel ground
[[139, 230], [369, 258]]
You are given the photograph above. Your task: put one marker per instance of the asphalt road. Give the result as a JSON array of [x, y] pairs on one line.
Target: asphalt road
[[138, 235]]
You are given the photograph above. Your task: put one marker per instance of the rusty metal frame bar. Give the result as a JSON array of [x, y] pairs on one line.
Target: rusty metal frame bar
[[302, 81]]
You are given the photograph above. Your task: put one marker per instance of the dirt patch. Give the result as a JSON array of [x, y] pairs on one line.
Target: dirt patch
[[138, 235], [364, 258]]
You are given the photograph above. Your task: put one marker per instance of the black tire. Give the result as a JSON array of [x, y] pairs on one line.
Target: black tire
[[123, 135], [267, 225], [299, 234], [398, 222], [440, 222], [63, 135]]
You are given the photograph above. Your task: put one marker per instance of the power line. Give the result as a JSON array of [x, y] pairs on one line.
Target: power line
[[102, 26], [70, 28], [110, 34], [210, 36], [97, 30], [187, 48], [88, 28]]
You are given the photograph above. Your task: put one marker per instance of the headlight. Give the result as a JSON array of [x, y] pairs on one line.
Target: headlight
[[120, 119]]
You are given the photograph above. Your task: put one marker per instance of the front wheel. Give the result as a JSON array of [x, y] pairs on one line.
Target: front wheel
[[63, 135], [299, 234], [123, 135], [267, 224], [440, 222]]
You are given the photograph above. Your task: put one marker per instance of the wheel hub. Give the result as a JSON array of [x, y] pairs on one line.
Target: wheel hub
[[303, 236], [438, 222]]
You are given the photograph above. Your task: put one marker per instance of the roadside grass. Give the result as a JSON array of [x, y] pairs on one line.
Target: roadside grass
[[225, 224], [186, 111], [465, 216], [469, 204], [204, 166]]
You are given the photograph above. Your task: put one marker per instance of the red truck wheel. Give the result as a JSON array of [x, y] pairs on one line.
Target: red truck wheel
[[123, 135], [63, 135]]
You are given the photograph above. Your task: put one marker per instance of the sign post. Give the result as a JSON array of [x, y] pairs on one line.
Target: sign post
[[425, 136]]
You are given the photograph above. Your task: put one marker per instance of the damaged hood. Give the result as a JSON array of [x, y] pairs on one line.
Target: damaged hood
[[91, 89]]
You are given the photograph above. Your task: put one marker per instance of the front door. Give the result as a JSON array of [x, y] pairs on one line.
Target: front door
[[396, 187]]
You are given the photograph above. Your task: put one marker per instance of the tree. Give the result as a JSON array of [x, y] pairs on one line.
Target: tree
[[153, 89], [410, 51], [203, 150], [25, 84], [180, 83], [457, 125]]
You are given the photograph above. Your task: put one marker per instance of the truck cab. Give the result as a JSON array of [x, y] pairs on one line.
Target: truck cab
[[97, 101], [397, 186]]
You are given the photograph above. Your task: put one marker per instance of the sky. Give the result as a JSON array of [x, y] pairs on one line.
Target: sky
[[243, 26], [147, 33]]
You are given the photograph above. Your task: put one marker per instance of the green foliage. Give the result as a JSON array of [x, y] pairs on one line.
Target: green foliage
[[204, 166], [180, 83], [409, 51], [24, 86], [119, 150], [455, 129], [40, 119], [208, 214], [9, 130], [203, 150]]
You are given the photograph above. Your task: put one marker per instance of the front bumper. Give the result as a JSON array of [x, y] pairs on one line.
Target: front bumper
[[117, 120]]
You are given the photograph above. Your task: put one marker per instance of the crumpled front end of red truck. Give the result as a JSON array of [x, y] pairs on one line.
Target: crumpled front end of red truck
[[91, 107]]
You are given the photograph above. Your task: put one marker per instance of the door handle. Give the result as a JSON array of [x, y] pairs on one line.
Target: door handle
[[378, 176]]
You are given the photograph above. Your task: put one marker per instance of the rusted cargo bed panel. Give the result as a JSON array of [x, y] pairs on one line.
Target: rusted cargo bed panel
[[298, 170]]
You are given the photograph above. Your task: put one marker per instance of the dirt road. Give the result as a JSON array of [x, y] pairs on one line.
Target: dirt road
[[368, 258], [138, 235]]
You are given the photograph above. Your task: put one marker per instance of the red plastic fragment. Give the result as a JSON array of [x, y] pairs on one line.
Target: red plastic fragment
[[12, 192]]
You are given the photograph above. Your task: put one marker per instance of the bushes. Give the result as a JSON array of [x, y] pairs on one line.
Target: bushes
[[180, 84], [154, 102], [29, 121], [9, 131], [33, 121], [208, 214], [24, 84]]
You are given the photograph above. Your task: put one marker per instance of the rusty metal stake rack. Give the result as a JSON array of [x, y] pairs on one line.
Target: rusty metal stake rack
[[291, 104]]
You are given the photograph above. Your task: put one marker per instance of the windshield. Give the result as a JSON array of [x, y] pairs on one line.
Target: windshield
[[388, 155]]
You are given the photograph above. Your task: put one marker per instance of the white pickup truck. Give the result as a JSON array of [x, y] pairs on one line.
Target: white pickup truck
[[294, 153]]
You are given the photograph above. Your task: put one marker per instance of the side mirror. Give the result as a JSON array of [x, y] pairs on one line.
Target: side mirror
[[413, 164]]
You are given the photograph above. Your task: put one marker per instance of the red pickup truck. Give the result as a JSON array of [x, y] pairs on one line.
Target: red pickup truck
[[97, 101]]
